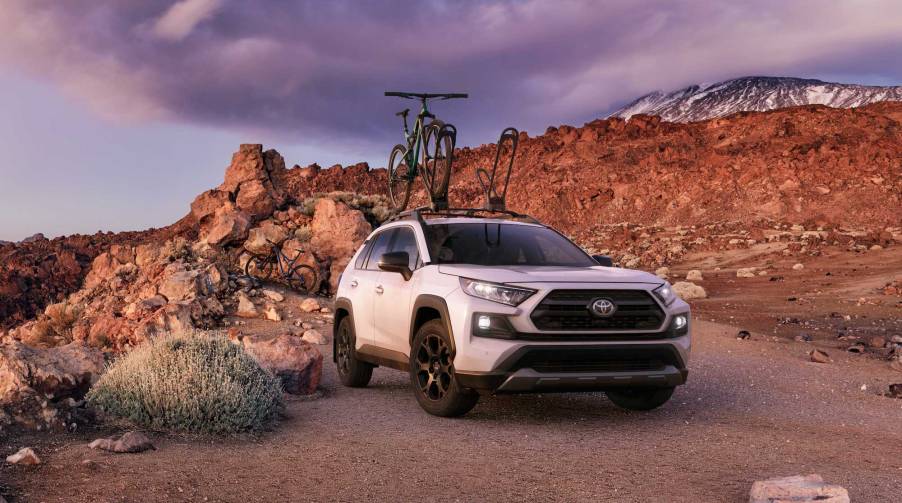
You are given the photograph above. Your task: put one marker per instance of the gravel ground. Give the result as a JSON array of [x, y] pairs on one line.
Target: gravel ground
[[752, 409]]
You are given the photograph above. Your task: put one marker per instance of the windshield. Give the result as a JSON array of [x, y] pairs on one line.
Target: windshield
[[498, 244]]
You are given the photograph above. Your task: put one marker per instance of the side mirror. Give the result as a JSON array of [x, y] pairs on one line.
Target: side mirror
[[396, 262], [603, 260]]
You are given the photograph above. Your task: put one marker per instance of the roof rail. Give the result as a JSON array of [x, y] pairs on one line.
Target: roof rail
[[418, 214]]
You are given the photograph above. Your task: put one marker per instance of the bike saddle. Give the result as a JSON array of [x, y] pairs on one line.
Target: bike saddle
[[403, 113]]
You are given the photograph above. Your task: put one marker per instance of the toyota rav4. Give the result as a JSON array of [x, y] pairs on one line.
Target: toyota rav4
[[479, 302]]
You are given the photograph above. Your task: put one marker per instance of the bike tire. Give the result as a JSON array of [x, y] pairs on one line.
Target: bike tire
[[438, 153], [258, 267], [399, 179], [302, 278]]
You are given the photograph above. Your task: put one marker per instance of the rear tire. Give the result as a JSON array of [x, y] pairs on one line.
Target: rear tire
[[302, 278], [432, 373], [351, 371], [438, 150], [399, 179], [640, 398]]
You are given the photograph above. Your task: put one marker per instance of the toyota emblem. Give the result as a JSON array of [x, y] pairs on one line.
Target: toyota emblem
[[603, 307]]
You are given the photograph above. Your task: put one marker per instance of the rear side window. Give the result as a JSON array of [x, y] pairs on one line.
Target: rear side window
[[361, 259], [406, 241], [380, 247]]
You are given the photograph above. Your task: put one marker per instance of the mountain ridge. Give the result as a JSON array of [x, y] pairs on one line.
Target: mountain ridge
[[753, 94]]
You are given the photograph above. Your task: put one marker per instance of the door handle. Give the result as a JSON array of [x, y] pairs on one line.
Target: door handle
[[379, 289], [353, 283]]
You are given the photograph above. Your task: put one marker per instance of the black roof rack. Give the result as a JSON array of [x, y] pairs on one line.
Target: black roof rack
[[418, 214]]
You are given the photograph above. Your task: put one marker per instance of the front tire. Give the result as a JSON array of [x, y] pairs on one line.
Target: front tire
[[399, 180], [351, 371], [640, 398], [432, 373]]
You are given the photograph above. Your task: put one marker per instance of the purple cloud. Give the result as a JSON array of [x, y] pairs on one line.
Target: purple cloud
[[316, 70]]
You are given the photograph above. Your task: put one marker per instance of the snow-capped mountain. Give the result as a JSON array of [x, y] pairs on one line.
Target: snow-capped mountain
[[705, 101]]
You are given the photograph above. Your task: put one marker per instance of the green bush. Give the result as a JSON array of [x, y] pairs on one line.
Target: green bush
[[197, 383]]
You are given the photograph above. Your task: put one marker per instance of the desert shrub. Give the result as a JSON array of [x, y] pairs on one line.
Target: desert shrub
[[177, 248], [55, 326], [303, 233], [195, 382]]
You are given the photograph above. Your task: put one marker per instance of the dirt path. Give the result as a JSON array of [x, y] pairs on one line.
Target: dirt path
[[751, 410]]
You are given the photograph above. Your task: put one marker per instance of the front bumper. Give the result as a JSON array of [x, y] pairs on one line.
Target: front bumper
[[581, 368]]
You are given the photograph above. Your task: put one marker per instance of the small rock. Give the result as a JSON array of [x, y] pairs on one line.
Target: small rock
[[818, 356], [325, 310], [694, 275], [25, 456], [798, 267], [743, 335], [309, 305], [271, 313], [895, 390], [797, 489], [877, 341], [131, 442], [306, 326], [856, 348], [803, 338], [314, 337], [689, 291], [273, 295], [246, 308], [746, 272]]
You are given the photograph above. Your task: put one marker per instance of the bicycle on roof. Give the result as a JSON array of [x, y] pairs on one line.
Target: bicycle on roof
[[428, 151]]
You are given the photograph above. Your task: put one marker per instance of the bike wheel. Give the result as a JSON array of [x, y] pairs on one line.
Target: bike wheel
[[258, 267], [438, 149], [302, 278], [399, 178]]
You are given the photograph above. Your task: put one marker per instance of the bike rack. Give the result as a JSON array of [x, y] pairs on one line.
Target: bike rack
[[494, 200], [440, 201]]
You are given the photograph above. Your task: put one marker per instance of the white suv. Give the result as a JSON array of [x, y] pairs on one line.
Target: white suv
[[502, 304]]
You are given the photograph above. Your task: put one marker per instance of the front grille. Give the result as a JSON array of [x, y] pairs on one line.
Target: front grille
[[569, 310], [552, 360]]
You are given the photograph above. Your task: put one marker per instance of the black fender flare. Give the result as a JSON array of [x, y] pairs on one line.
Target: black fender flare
[[341, 304], [433, 302]]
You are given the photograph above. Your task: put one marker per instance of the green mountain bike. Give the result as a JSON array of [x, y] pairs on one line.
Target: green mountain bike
[[428, 151]]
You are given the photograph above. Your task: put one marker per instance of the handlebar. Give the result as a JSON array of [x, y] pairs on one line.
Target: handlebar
[[426, 96]]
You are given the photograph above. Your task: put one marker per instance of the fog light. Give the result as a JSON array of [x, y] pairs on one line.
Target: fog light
[[492, 325], [484, 322], [680, 322]]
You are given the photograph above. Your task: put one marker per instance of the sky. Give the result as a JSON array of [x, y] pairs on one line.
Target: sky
[[116, 114]]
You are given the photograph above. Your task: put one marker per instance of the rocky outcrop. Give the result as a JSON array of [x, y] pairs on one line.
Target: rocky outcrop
[[41, 388], [296, 362]]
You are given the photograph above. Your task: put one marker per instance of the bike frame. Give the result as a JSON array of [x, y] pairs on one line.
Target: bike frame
[[414, 140]]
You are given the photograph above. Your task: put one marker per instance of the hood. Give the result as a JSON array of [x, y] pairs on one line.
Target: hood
[[545, 274]]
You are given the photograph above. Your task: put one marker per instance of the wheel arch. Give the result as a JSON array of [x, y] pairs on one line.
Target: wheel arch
[[426, 308]]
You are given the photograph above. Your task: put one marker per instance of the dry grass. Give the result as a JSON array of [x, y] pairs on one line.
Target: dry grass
[[195, 383]]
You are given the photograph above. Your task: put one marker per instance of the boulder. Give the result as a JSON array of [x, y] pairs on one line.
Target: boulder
[[147, 253], [255, 199], [180, 285], [297, 363], [662, 272], [259, 238], [689, 291], [798, 488], [272, 295], [798, 267], [247, 165], [694, 275], [24, 456], [226, 226], [131, 442], [209, 202], [337, 229], [35, 384]]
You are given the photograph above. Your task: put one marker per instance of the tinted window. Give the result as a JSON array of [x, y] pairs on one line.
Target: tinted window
[[361, 259], [407, 242], [380, 246], [502, 244]]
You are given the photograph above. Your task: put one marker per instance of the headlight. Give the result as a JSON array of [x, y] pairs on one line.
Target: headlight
[[665, 293], [494, 292]]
